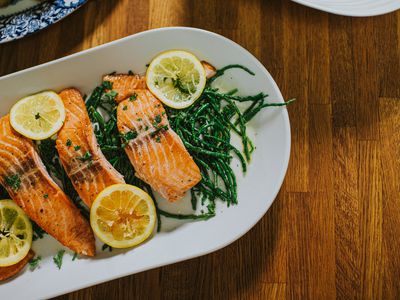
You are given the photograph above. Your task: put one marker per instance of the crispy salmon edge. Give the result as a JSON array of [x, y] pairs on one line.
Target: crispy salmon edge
[[11, 271]]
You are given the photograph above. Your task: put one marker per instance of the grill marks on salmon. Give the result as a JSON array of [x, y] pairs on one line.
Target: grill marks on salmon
[[26, 180], [157, 153], [125, 85], [80, 154]]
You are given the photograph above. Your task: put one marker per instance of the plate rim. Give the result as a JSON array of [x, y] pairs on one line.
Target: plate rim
[[344, 13], [281, 176]]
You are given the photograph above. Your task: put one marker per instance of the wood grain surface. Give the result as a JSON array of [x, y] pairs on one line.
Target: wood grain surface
[[334, 229]]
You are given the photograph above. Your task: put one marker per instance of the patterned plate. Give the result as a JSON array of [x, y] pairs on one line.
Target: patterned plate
[[24, 17]]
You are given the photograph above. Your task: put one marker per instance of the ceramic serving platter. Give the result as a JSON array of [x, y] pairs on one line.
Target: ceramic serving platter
[[356, 8], [24, 17], [177, 240]]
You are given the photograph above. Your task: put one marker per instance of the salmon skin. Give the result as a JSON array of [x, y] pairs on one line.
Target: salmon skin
[[125, 85], [79, 152], [156, 152], [25, 178]]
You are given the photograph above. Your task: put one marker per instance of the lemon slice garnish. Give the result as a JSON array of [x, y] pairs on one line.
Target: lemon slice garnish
[[15, 233], [177, 78], [123, 216], [39, 116]]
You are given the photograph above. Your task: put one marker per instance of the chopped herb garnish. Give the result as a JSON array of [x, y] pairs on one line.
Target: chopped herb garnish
[[13, 181], [37, 116], [146, 128], [147, 65], [107, 85], [130, 72], [125, 107], [77, 147], [75, 256], [34, 262], [155, 132], [163, 113], [105, 247], [58, 258], [85, 157], [157, 119], [133, 97], [139, 119], [158, 139], [45, 196], [109, 97], [130, 135], [68, 143]]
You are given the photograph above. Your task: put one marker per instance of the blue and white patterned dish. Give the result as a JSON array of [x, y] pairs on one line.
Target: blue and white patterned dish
[[32, 18]]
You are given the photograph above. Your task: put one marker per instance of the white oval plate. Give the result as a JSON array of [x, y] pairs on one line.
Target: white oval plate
[[354, 8], [177, 242]]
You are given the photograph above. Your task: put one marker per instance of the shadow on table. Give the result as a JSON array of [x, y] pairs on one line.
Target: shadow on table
[[230, 273]]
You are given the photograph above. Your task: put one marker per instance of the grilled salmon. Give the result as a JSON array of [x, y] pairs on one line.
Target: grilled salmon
[[154, 149], [25, 178], [10, 271], [209, 68], [125, 85], [80, 153]]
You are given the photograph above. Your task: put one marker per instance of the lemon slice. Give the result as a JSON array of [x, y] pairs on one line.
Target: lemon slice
[[15, 233], [177, 78], [39, 116], [123, 216]]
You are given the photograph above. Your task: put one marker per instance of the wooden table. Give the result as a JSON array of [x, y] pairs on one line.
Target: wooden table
[[334, 230]]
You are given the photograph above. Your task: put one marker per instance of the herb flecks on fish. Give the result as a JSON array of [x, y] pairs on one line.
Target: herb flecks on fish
[[158, 130], [133, 97], [14, 181], [85, 157]]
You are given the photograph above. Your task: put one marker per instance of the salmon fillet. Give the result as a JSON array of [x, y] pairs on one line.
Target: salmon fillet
[[209, 68], [10, 271], [25, 178], [80, 153], [157, 152], [125, 85]]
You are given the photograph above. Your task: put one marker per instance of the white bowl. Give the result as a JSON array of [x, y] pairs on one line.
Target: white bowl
[[257, 189], [355, 8]]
